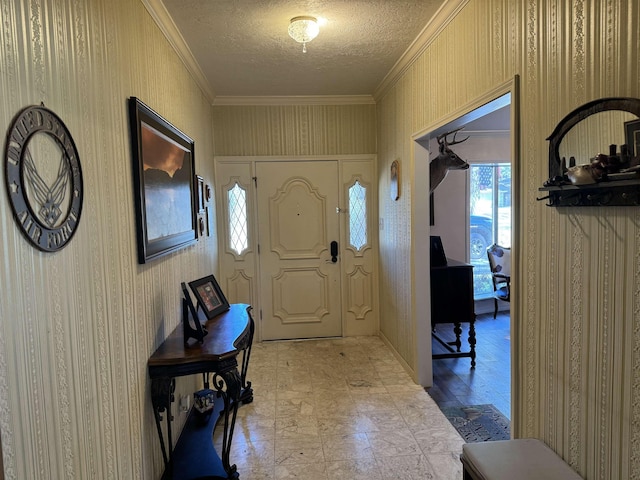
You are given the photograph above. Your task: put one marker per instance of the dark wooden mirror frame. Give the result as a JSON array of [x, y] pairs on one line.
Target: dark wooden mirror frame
[[631, 105], [624, 192]]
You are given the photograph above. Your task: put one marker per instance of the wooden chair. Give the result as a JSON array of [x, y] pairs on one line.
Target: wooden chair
[[500, 265]]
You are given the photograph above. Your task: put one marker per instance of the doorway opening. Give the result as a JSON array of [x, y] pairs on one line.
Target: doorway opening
[[466, 200]]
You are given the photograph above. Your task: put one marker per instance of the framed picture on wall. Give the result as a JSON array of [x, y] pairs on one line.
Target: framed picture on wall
[[201, 194], [164, 183], [395, 180]]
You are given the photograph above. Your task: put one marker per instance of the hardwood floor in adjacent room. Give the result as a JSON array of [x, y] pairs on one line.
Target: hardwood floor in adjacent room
[[455, 383]]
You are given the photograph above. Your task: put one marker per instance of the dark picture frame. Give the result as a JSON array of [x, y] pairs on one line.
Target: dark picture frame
[[164, 183], [209, 295], [632, 136], [201, 194], [189, 312], [394, 180]]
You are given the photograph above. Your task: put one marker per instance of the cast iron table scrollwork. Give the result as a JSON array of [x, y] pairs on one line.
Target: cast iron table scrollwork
[[230, 334]]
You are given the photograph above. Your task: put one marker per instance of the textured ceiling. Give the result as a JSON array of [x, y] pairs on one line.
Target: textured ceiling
[[243, 48]]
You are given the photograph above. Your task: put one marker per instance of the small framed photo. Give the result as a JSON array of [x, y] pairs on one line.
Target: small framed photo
[[210, 296], [189, 313], [394, 178], [632, 136], [201, 194]]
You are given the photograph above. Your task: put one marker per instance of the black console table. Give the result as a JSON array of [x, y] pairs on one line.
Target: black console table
[[230, 334], [452, 302]]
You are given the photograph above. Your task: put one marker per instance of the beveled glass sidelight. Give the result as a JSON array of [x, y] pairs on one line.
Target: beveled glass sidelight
[[238, 228], [357, 216]]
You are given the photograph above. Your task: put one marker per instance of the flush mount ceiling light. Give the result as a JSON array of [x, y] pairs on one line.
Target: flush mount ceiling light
[[303, 29]]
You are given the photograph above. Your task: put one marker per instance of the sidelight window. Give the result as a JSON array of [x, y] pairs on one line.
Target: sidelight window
[[357, 216], [238, 230]]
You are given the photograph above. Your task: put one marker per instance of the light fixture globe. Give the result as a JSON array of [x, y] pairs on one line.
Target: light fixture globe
[[303, 29]]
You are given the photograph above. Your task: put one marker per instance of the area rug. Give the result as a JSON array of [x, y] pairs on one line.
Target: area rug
[[478, 423]]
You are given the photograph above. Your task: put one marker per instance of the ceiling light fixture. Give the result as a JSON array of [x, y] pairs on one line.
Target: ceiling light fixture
[[303, 29]]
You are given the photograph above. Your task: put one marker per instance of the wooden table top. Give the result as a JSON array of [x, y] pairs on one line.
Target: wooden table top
[[219, 344]]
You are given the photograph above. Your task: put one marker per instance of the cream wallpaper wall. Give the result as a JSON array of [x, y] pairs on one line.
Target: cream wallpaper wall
[[271, 130], [77, 326], [576, 335]]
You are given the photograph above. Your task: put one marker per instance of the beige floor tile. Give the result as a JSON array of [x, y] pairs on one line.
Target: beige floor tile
[[392, 443], [290, 403], [346, 447], [407, 467], [255, 457], [298, 452], [446, 465], [361, 385], [297, 427], [371, 402], [339, 408], [439, 440], [255, 428], [260, 407], [341, 404], [308, 472], [379, 421], [359, 469], [337, 423], [326, 391]]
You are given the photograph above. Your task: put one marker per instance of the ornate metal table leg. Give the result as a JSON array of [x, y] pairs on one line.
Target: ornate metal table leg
[[162, 395], [228, 384], [246, 395], [472, 341]]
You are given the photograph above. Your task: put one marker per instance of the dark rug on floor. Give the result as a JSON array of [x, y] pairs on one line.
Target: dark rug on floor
[[478, 423]]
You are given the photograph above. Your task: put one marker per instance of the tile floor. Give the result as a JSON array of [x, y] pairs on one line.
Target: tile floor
[[340, 408]]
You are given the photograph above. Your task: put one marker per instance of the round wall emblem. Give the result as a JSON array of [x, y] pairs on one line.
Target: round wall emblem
[[43, 178]]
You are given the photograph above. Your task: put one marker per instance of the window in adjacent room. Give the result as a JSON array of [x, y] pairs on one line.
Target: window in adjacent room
[[489, 218]]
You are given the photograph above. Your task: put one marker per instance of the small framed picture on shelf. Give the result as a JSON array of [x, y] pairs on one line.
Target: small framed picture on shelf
[[190, 314], [632, 136], [209, 295]]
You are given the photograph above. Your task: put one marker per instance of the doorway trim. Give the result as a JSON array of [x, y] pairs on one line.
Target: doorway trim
[[420, 274]]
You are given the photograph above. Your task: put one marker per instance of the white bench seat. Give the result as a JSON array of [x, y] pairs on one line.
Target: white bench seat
[[522, 459]]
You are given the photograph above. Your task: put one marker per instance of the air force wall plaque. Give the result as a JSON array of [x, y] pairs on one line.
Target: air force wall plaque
[[43, 178]]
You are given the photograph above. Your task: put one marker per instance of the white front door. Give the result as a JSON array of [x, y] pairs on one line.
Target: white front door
[[297, 222]]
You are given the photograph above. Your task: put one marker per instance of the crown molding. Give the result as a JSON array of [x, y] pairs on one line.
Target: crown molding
[[445, 14], [161, 16], [297, 100]]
